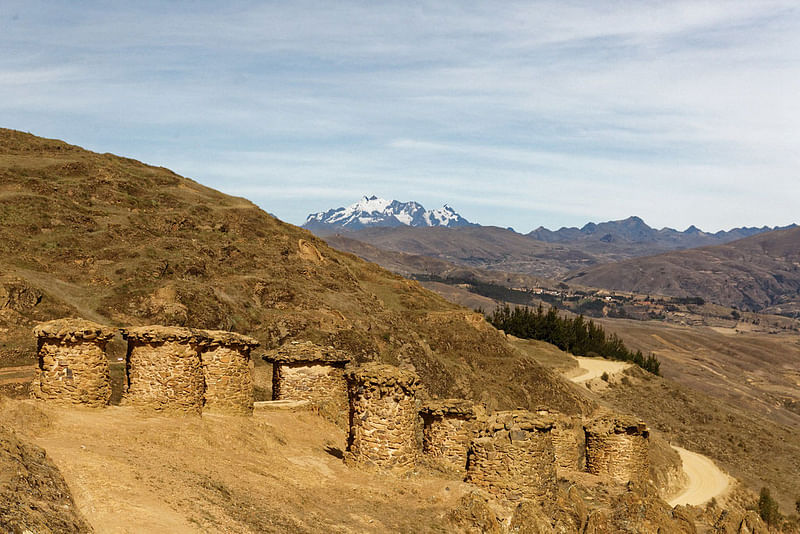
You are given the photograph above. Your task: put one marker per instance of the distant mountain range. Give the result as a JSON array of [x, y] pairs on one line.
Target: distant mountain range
[[635, 230], [378, 212]]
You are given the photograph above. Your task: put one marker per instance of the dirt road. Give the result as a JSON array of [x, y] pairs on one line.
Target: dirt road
[[595, 367], [706, 480]]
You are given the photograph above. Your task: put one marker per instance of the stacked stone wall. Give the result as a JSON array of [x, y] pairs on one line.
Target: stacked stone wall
[[227, 372], [164, 369], [448, 429], [311, 381], [618, 448], [73, 366], [514, 458], [383, 417], [568, 442]]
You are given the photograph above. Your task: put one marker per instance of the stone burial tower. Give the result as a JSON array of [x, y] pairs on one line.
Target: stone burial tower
[[306, 371], [448, 428], [617, 446], [227, 372], [73, 367], [164, 372], [513, 457], [383, 416]]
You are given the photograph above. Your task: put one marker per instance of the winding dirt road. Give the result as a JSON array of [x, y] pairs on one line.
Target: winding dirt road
[[706, 480]]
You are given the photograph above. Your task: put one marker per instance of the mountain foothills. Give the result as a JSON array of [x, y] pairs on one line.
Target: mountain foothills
[[116, 241], [759, 273], [377, 212]]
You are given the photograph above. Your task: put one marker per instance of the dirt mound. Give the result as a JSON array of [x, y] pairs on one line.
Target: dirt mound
[[33, 495]]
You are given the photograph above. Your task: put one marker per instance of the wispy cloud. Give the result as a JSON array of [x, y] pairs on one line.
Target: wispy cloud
[[521, 113]]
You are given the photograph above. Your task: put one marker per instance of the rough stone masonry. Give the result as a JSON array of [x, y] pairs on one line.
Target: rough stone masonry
[[306, 371], [73, 367], [164, 371], [448, 428], [227, 372], [383, 416], [617, 446], [513, 457]]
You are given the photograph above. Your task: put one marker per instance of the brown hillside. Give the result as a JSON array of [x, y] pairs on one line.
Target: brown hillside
[[759, 273], [117, 241]]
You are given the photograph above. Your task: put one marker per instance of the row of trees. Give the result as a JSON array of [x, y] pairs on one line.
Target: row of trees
[[574, 335]]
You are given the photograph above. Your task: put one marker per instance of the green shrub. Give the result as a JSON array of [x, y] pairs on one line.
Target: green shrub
[[768, 508]]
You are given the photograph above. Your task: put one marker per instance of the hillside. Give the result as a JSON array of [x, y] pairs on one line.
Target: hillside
[[120, 242], [758, 273]]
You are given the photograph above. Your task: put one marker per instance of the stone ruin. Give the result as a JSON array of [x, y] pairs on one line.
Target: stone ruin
[[617, 446], [227, 372], [164, 371], [513, 457], [73, 367], [568, 440], [448, 428], [383, 417], [306, 371]]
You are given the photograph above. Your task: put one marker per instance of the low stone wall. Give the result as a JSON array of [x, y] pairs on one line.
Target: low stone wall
[[73, 367], [513, 457], [306, 371], [227, 372], [164, 372], [383, 416], [617, 446], [448, 429]]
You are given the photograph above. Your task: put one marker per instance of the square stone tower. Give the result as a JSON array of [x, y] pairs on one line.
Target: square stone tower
[[306, 371], [73, 367]]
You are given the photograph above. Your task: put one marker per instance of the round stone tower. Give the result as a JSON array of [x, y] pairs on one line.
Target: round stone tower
[[163, 368], [513, 457], [73, 367], [449, 426], [227, 371], [383, 415], [617, 446], [306, 371]]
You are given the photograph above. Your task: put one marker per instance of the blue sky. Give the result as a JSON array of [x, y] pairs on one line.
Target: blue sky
[[517, 114]]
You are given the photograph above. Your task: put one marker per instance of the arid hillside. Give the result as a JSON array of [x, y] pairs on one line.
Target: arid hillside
[[759, 273], [120, 242]]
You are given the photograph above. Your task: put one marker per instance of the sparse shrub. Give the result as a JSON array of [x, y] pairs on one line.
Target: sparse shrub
[[604, 377], [797, 505], [768, 508]]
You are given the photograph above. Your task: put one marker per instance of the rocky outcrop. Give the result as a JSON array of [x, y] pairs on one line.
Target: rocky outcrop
[[73, 367], [383, 416]]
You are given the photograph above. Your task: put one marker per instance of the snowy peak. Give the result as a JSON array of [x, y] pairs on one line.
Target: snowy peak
[[374, 211]]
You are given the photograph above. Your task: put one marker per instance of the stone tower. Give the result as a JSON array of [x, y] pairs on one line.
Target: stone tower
[[227, 372], [73, 367], [449, 426], [513, 457], [164, 371], [306, 371], [383, 416], [617, 446]]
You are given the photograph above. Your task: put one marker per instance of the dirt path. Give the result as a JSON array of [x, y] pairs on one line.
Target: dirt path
[[595, 367], [706, 480]]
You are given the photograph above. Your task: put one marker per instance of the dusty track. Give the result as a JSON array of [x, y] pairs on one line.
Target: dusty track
[[595, 367], [706, 480]]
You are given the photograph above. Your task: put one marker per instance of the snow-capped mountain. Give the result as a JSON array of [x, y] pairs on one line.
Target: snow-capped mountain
[[374, 211]]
